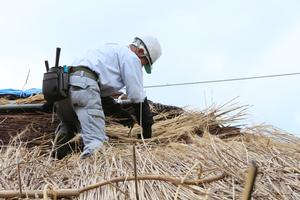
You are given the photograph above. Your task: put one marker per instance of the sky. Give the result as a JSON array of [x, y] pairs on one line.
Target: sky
[[201, 40]]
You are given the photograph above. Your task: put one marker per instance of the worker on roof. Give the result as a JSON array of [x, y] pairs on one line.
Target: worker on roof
[[93, 79]]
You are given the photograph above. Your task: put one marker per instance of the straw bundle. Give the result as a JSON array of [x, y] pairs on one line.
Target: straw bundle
[[6, 99], [186, 159], [38, 98], [3, 101]]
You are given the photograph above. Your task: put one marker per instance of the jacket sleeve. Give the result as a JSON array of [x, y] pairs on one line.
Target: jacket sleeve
[[132, 76]]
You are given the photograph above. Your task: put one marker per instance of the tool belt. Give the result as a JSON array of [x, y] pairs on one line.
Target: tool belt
[[56, 81], [83, 71]]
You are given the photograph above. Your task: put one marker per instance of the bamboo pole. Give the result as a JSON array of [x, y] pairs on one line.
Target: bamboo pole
[[22, 107], [60, 193], [172, 180]]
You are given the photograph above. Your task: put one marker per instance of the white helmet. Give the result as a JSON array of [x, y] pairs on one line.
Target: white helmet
[[152, 47]]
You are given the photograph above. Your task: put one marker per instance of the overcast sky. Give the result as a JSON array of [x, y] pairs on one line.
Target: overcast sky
[[201, 40]]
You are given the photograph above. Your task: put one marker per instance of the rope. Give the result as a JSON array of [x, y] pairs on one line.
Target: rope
[[223, 80]]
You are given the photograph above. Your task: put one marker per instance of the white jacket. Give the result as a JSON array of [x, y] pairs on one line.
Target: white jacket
[[117, 67]]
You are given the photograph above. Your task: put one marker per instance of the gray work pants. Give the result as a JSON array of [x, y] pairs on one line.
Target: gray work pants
[[82, 112]]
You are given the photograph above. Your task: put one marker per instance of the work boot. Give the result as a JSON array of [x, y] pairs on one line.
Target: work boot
[[147, 132], [89, 153], [85, 155]]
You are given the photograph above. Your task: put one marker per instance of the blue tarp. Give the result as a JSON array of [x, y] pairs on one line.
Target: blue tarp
[[20, 93]]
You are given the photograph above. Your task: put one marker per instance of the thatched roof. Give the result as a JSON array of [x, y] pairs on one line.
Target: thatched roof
[[193, 155]]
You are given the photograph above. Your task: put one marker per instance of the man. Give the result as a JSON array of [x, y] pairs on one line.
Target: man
[[93, 79]]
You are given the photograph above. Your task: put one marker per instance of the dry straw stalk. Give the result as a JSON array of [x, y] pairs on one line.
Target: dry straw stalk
[[186, 150]]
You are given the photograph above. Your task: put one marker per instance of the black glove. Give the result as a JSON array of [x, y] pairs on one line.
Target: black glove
[[147, 132], [121, 116], [147, 118]]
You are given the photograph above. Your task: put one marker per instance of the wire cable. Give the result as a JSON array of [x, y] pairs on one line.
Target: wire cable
[[223, 80]]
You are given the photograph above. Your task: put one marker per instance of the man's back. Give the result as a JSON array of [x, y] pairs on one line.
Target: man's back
[[117, 66]]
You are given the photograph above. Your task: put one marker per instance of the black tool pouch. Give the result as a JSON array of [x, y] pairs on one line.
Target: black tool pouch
[[56, 84]]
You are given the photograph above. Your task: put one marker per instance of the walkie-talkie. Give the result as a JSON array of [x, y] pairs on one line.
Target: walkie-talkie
[[56, 59]]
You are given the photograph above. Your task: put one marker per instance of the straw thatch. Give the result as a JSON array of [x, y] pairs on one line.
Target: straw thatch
[[193, 155]]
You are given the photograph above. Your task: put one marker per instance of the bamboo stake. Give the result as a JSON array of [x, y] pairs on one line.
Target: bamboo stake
[[19, 177], [252, 171], [135, 174]]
